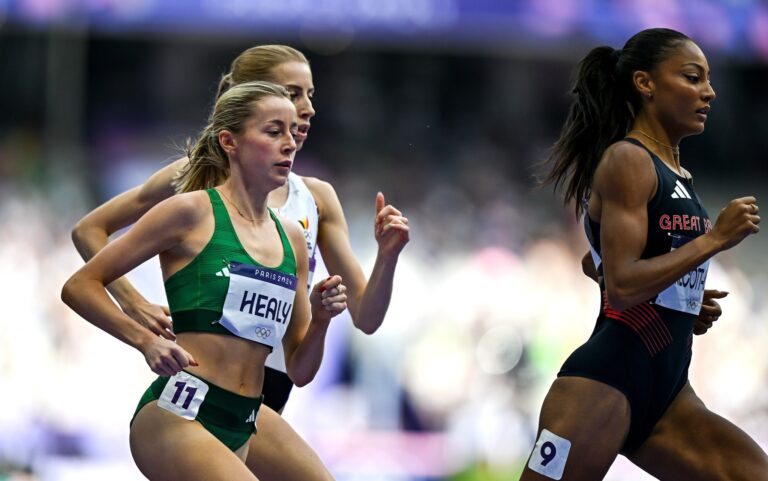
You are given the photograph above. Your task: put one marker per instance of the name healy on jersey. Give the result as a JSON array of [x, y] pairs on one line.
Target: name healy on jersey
[[684, 222], [258, 303], [265, 307]]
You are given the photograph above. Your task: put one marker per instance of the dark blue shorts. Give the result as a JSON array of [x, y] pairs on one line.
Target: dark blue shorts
[[617, 356]]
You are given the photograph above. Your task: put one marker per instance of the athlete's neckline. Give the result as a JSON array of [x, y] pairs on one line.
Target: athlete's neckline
[[653, 154]]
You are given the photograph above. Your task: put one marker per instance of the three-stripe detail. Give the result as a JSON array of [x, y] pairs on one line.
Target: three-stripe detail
[[680, 191]]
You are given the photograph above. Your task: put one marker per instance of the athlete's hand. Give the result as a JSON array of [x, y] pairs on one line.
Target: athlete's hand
[[390, 228], [710, 311], [328, 299], [165, 357], [736, 221], [154, 317]]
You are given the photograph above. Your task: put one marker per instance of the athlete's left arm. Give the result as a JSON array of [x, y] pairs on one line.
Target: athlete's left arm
[[304, 339], [368, 299]]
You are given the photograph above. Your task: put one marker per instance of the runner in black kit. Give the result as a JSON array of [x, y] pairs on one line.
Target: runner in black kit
[[626, 389]]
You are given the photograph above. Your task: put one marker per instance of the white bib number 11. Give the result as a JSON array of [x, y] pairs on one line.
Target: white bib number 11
[[183, 394]]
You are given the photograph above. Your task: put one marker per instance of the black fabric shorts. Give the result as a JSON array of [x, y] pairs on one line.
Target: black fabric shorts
[[615, 355], [277, 388]]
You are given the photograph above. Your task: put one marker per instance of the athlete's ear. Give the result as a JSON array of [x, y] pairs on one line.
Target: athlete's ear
[[227, 141], [643, 82]]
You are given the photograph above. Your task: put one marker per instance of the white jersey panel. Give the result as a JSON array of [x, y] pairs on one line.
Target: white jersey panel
[[302, 208]]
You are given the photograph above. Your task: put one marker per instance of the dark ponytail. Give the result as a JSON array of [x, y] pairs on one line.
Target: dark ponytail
[[604, 108]]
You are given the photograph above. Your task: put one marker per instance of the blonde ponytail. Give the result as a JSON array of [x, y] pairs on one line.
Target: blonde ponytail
[[208, 164]]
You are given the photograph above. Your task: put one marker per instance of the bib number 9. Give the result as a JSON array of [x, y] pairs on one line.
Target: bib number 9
[[549, 455]]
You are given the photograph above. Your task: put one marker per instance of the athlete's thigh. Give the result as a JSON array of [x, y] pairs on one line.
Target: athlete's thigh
[[167, 447], [582, 427], [691, 442], [278, 453]]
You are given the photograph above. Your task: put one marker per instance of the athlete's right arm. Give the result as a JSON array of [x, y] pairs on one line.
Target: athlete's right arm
[[92, 232], [304, 339], [625, 181], [162, 229]]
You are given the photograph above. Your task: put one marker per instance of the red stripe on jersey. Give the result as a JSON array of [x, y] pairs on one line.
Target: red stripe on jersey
[[658, 323], [645, 321], [644, 327]]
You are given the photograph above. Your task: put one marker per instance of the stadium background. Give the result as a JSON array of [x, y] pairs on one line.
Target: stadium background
[[447, 106]]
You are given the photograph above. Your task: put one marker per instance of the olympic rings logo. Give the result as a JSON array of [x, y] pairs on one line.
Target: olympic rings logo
[[262, 332]]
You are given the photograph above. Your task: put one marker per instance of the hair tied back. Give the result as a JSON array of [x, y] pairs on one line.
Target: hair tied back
[[616, 54]]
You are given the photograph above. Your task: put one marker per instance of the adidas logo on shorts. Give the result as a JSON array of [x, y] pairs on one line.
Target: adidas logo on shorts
[[252, 417]]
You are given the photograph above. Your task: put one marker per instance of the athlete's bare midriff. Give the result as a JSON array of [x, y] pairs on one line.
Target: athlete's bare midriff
[[231, 363]]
